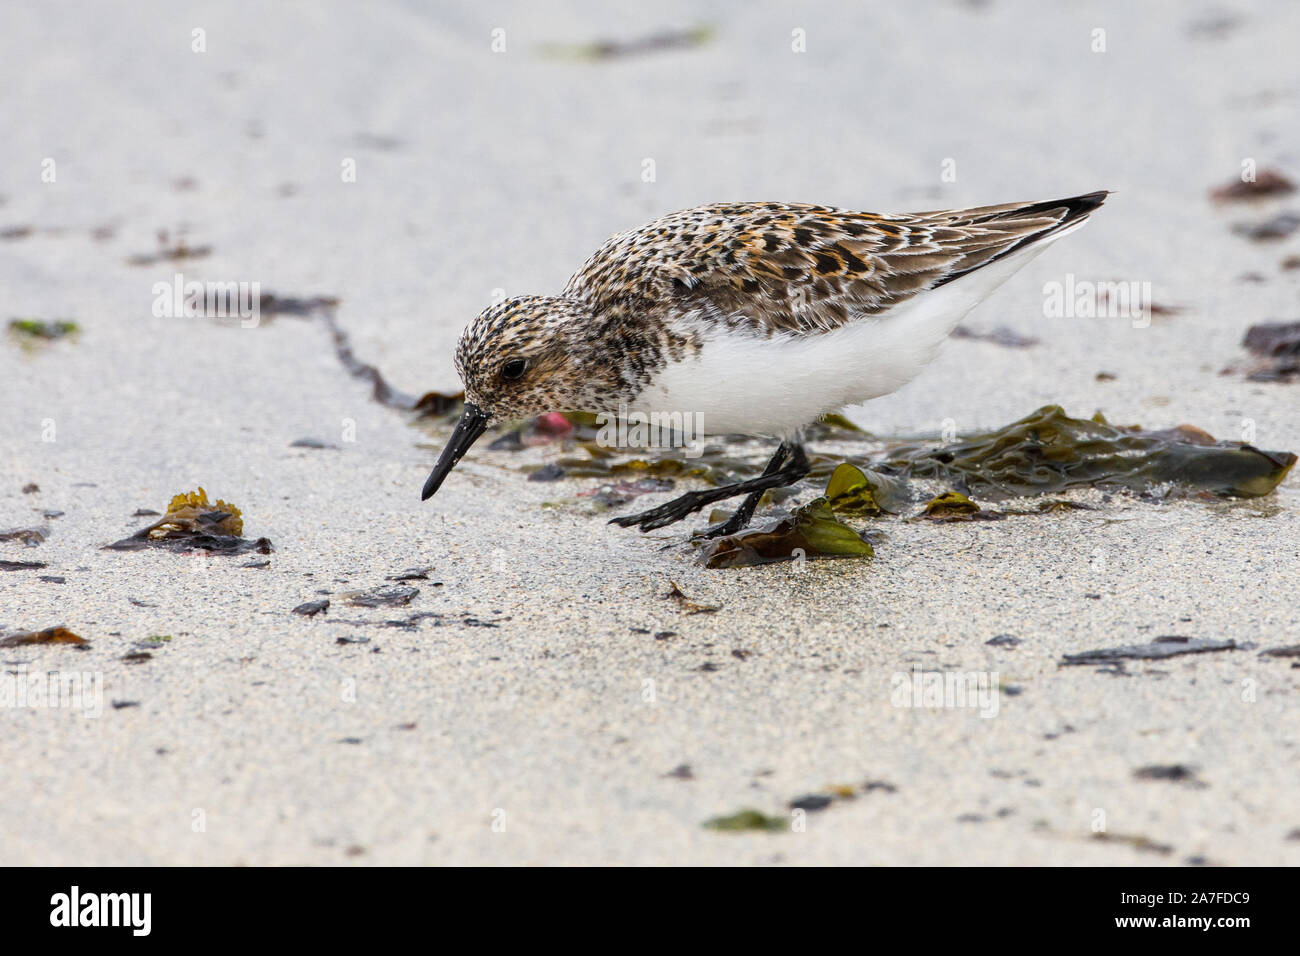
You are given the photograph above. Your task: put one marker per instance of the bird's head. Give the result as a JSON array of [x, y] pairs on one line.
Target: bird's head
[[522, 357]]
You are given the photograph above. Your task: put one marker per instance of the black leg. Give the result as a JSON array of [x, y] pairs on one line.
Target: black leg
[[787, 466], [741, 517]]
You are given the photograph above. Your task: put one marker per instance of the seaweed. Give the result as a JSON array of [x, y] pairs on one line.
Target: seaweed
[[30, 537], [1048, 451], [168, 251], [686, 604], [51, 635], [1136, 841], [412, 574], [439, 405], [1266, 184], [48, 331], [193, 524], [1270, 230], [852, 491], [381, 597], [712, 467], [312, 608], [22, 565], [747, 820], [1174, 773], [950, 504], [597, 50], [812, 532], [1160, 648], [1277, 344]]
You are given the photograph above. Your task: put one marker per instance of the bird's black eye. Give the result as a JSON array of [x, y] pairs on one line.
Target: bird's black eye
[[514, 369]]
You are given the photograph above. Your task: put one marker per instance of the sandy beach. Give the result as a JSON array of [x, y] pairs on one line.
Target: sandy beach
[[542, 698]]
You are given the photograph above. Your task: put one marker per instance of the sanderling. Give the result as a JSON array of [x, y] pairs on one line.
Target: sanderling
[[754, 318]]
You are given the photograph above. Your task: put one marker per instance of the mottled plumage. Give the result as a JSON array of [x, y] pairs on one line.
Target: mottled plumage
[[757, 317], [793, 267]]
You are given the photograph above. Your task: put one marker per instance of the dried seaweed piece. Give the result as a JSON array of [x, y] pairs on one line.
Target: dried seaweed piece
[[1278, 345], [51, 635], [192, 524], [438, 405], [747, 820], [169, 251], [1292, 651], [269, 304], [614, 49], [548, 472], [410, 574], [812, 531], [30, 537], [22, 565], [312, 608], [1270, 230], [1160, 648], [811, 802], [41, 329], [1174, 773], [1267, 183], [381, 597], [1136, 841], [1048, 451], [1273, 339], [686, 604]]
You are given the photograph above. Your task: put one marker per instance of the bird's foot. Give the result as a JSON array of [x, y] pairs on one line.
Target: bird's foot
[[788, 466]]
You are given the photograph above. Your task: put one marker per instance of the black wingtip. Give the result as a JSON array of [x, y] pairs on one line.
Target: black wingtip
[[1076, 207]]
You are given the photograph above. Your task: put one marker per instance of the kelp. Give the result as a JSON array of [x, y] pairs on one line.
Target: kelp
[[950, 504], [852, 491], [1046, 452], [811, 532], [192, 523], [1050, 452]]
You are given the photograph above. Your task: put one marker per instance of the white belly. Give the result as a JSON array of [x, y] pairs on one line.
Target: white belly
[[745, 384]]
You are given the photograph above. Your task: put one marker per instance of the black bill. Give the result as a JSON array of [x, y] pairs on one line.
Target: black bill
[[472, 424]]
